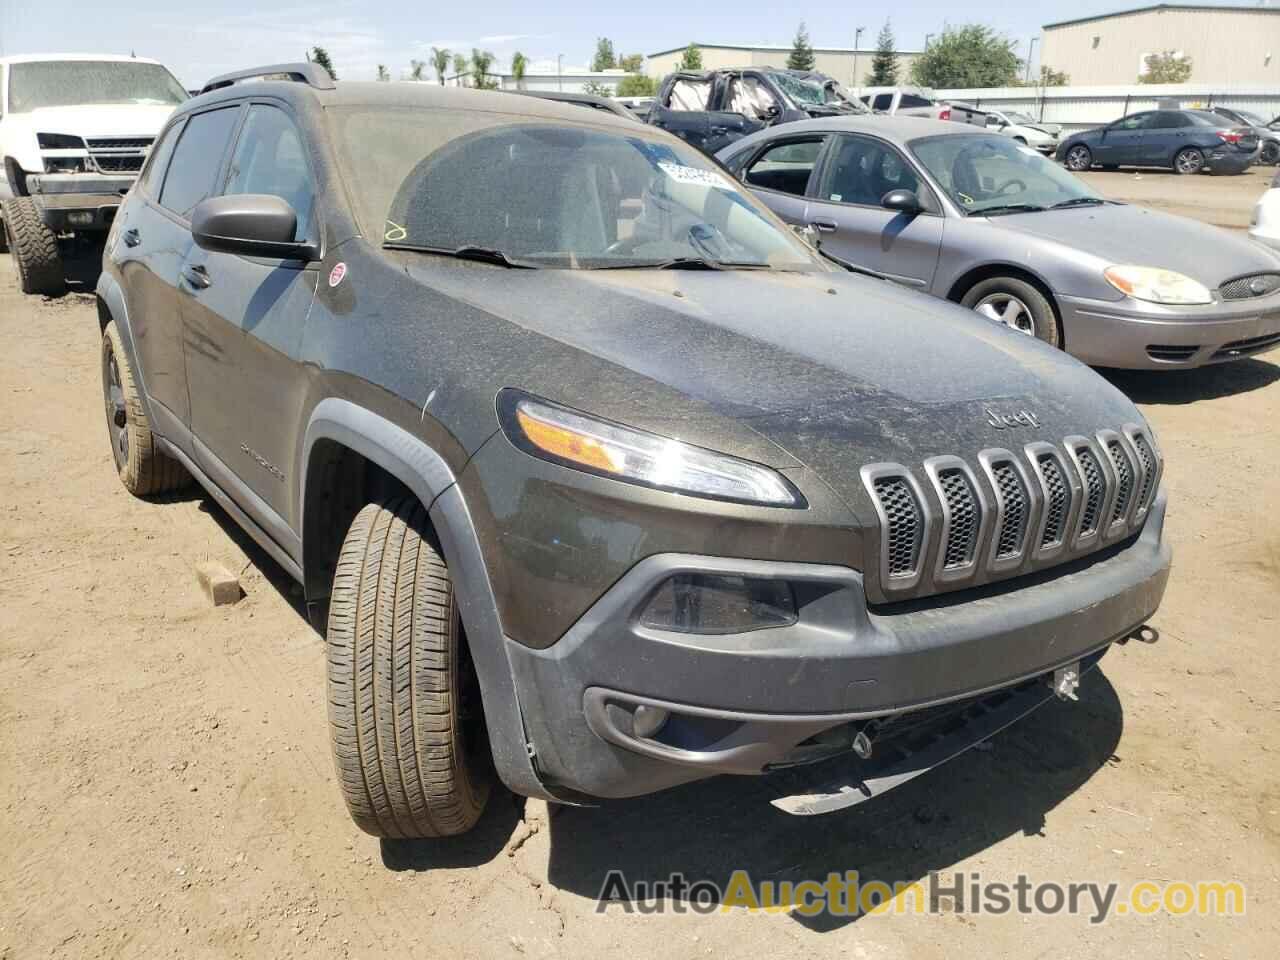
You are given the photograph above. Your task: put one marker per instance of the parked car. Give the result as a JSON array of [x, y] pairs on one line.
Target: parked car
[[606, 480], [1265, 224], [919, 102], [975, 218], [710, 109], [1269, 137], [588, 100], [1025, 128], [1186, 141], [74, 129]]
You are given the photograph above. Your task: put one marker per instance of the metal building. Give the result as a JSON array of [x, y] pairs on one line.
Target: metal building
[[836, 62], [1227, 45]]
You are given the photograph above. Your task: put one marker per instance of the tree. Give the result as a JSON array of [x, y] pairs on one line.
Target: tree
[[519, 64], [460, 69], [692, 59], [801, 55], [1166, 67], [383, 73], [440, 62], [884, 65], [597, 89], [481, 61], [415, 69], [632, 62], [637, 85], [320, 57], [604, 58], [1050, 77], [973, 55]]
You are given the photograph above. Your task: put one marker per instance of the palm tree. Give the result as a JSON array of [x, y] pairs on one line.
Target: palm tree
[[440, 61], [519, 64], [415, 69], [383, 73], [481, 60], [460, 68]]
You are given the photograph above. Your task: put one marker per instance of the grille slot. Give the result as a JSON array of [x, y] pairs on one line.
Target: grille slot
[[1240, 348], [1124, 480], [1095, 486], [1147, 464], [120, 143], [1158, 351], [1056, 501], [905, 525], [1243, 288], [1014, 504], [965, 518], [118, 164]]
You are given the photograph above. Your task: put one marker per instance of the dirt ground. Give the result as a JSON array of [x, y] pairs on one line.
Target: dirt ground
[[1223, 201], [167, 788]]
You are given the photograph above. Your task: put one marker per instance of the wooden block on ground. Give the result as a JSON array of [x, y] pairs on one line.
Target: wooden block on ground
[[219, 584]]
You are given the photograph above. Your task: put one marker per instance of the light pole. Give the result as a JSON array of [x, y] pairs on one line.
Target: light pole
[[559, 77], [1030, 50], [857, 39], [927, 38]]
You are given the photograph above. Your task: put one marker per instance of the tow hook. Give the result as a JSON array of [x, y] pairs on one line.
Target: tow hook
[[1145, 633], [1066, 680], [863, 742]]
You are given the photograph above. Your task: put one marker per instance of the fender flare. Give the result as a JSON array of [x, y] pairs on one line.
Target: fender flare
[[430, 478], [111, 297]]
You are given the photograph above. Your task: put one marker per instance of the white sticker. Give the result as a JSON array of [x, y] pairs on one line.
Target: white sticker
[[837, 197], [683, 174]]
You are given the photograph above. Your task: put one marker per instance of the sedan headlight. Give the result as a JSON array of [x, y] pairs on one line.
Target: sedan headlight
[[563, 436], [1156, 285]]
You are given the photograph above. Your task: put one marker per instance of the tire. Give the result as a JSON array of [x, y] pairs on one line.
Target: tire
[[1009, 299], [405, 717], [1188, 161], [4, 235], [34, 248], [1078, 158], [143, 469], [1270, 152]]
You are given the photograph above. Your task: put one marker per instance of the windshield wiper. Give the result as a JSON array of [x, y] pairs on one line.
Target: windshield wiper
[[685, 263], [468, 252], [1077, 202], [1006, 208]]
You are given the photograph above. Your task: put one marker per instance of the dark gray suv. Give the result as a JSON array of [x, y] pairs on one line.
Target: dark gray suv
[[599, 478]]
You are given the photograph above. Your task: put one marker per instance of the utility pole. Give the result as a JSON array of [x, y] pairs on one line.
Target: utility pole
[[857, 39], [1031, 47], [927, 38], [559, 71]]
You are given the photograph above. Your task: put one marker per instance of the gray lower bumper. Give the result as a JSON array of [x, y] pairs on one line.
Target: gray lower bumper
[[749, 702], [82, 201]]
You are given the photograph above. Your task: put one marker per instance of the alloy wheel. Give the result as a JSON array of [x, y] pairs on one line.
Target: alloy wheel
[[1189, 161], [117, 412], [1007, 310], [1079, 158]]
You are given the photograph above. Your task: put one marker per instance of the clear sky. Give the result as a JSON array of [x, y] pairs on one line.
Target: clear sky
[[198, 40]]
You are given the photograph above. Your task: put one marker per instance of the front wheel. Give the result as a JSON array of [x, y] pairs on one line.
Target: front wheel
[[1016, 304], [34, 247], [1188, 161], [1079, 158], [406, 721]]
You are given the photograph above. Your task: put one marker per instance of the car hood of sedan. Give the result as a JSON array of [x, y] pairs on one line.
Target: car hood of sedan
[[1120, 233]]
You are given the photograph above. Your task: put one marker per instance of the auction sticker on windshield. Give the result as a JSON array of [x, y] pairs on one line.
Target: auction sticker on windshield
[[683, 174]]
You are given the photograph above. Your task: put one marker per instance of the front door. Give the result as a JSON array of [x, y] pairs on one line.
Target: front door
[[683, 111], [846, 210], [1122, 141], [780, 175], [244, 318]]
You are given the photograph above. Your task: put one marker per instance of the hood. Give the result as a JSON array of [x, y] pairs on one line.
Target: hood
[[104, 120], [1052, 129], [1120, 233], [834, 371]]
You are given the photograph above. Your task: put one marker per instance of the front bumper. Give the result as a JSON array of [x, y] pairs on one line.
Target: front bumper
[[1135, 335], [78, 201], [751, 702]]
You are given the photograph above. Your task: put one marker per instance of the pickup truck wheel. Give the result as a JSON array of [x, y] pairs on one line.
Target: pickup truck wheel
[[34, 248], [406, 722], [143, 469], [1015, 304]]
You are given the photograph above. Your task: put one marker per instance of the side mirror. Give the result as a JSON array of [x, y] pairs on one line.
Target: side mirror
[[252, 225], [772, 112], [808, 233], [904, 201]]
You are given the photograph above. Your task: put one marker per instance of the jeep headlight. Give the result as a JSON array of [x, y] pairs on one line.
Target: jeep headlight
[[555, 433], [1156, 285]]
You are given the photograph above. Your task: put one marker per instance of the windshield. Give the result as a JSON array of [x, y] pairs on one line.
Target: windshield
[[69, 83], [985, 172], [549, 194], [801, 91], [1023, 118]]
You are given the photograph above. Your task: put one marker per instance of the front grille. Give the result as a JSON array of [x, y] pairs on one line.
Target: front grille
[[1146, 469], [1056, 503], [1014, 504], [965, 519], [118, 164], [1244, 288], [1095, 491], [1174, 354], [1124, 480], [905, 531], [120, 143]]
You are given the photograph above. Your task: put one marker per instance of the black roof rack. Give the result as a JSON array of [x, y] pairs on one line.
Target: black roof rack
[[311, 74]]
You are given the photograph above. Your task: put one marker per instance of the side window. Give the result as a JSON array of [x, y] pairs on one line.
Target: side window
[[861, 170], [749, 97], [785, 167], [883, 101], [270, 159], [1135, 122], [1167, 120], [196, 159], [153, 173], [909, 100], [690, 95]]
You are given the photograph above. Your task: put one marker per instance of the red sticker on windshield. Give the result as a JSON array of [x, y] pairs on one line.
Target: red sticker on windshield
[[337, 273]]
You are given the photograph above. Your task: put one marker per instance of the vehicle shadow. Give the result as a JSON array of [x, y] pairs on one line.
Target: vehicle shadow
[[1202, 383], [706, 831]]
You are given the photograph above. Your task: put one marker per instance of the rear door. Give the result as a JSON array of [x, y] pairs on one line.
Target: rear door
[[1122, 141], [1167, 132], [745, 105], [244, 318], [683, 110], [857, 171], [781, 172]]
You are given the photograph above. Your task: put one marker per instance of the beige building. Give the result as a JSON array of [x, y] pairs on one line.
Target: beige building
[[1232, 46], [836, 62]]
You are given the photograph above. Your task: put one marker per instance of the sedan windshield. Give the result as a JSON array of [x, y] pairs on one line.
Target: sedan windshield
[[551, 194], [996, 175], [69, 83]]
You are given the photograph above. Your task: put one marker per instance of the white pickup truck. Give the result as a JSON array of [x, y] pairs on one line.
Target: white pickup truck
[[74, 132], [919, 102]]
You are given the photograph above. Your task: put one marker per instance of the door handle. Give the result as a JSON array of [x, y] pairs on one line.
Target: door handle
[[132, 238], [196, 275], [824, 225]]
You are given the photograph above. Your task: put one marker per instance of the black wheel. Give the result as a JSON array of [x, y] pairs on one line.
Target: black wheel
[[406, 721], [34, 248], [1015, 304], [1079, 158], [143, 469], [1271, 151], [1187, 161]]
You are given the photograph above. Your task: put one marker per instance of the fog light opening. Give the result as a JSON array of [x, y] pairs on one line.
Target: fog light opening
[[717, 604]]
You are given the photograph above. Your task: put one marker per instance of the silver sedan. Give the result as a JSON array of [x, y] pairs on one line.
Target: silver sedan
[[978, 219]]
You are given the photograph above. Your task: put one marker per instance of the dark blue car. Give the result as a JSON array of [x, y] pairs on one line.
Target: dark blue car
[[1187, 141]]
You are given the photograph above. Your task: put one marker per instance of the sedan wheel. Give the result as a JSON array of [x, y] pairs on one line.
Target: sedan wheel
[[1079, 158], [1189, 160], [1271, 152], [1017, 304], [1006, 309]]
